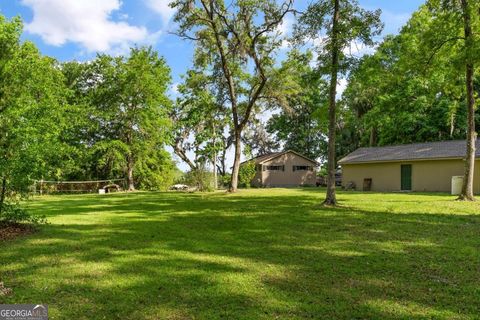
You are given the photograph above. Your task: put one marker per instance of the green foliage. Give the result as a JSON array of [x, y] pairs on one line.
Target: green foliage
[[302, 125], [246, 174], [235, 52], [408, 91], [199, 120], [225, 180], [13, 213], [122, 107], [339, 25], [32, 105], [155, 170], [323, 172], [80, 121], [356, 27], [200, 178]]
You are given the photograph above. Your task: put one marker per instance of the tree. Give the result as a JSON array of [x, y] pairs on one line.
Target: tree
[[343, 23], [32, 105], [258, 140], [392, 99], [247, 173], [450, 19], [413, 88], [302, 125], [238, 43], [200, 122], [154, 169], [130, 114]]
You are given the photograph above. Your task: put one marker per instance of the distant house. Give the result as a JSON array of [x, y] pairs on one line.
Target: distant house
[[413, 167], [284, 169]]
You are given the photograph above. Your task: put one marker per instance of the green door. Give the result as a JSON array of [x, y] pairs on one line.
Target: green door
[[406, 177]]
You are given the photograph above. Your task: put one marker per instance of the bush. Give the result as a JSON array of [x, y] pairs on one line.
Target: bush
[[155, 171], [246, 174], [12, 213], [225, 180], [200, 178]]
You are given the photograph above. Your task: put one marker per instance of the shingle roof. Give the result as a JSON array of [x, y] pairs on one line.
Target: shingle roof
[[261, 159], [417, 151], [264, 157]]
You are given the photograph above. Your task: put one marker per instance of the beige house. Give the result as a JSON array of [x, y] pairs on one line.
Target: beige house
[[284, 169], [414, 167]]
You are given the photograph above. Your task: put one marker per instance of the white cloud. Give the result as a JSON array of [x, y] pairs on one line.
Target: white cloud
[[174, 89], [86, 22], [162, 8], [285, 30], [358, 49], [341, 86]]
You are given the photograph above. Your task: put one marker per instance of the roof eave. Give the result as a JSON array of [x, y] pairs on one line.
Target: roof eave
[[282, 153], [400, 160]]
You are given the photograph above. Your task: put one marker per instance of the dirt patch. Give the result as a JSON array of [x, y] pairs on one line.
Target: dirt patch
[[12, 231]]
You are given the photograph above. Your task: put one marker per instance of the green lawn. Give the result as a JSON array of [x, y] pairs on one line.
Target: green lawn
[[258, 254]]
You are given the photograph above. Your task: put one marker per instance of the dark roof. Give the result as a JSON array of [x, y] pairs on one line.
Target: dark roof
[[261, 159], [418, 151]]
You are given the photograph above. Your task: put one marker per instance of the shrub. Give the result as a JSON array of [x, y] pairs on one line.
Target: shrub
[[12, 213], [225, 180], [155, 171], [246, 174], [200, 178]]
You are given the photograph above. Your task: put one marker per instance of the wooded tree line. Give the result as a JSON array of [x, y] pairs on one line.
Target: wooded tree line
[[111, 117], [103, 119], [417, 86]]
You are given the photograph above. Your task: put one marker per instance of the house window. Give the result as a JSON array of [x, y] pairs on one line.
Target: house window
[[302, 168], [275, 168]]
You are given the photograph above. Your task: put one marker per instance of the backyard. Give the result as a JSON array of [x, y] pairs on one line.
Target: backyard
[[257, 254]]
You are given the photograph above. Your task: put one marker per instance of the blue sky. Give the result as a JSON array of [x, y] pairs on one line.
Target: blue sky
[[77, 29]]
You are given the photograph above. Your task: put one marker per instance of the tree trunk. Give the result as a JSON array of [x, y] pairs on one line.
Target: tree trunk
[[3, 193], [236, 162], [214, 162], [180, 152], [331, 198], [215, 176], [467, 188], [222, 167], [131, 185]]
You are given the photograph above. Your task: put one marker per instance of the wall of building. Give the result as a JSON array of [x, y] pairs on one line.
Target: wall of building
[[428, 176], [385, 176], [257, 180], [288, 178]]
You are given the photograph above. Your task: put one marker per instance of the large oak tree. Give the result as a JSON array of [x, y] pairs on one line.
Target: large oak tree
[[237, 41]]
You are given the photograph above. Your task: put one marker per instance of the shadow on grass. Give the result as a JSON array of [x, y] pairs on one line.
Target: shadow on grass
[[185, 256]]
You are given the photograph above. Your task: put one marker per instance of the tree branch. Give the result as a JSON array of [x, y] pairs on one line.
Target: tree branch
[[440, 46]]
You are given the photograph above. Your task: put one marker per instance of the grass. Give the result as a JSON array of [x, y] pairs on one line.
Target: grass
[[258, 254]]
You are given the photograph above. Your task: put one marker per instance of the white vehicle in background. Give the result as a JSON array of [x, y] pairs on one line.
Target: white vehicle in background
[[179, 187]]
